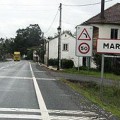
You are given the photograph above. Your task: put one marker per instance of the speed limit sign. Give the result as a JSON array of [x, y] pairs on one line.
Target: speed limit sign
[[84, 48]]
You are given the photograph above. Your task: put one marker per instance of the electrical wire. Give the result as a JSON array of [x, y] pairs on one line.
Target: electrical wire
[[52, 22], [83, 5], [27, 5]]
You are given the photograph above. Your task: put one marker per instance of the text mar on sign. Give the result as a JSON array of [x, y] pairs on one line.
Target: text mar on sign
[[111, 46]]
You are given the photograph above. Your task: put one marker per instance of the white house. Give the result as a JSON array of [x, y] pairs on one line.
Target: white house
[[107, 27], [68, 43]]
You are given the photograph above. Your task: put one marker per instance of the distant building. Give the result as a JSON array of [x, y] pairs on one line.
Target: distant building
[[68, 43]]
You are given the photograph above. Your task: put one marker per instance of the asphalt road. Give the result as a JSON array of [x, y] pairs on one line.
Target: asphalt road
[[28, 91]]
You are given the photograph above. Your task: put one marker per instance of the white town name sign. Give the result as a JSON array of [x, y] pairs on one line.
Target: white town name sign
[[108, 46]]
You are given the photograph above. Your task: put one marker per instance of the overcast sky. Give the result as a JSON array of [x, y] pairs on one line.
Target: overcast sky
[[15, 14]]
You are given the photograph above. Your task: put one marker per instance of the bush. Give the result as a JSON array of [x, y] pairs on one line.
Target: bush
[[65, 63], [53, 62]]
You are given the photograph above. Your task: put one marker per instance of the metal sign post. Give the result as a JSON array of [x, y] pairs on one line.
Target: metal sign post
[[105, 46], [78, 63], [102, 73]]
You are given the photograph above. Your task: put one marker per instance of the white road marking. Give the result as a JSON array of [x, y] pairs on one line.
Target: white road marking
[[15, 77], [25, 113], [19, 110], [22, 116], [44, 111], [26, 78], [23, 70], [18, 70]]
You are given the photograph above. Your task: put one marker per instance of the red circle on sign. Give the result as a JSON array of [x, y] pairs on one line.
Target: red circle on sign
[[84, 48]]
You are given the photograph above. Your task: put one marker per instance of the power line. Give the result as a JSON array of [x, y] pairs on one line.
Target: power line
[[27, 5], [83, 5], [30, 10], [52, 22]]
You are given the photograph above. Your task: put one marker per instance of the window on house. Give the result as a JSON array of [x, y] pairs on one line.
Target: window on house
[[65, 47], [114, 33], [65, 35]]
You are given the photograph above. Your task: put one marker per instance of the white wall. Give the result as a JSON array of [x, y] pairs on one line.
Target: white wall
[[105, 30], [53, 48], [70, 54]]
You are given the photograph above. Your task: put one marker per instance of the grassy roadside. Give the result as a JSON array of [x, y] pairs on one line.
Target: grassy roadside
[[92, 73], [109, 99]]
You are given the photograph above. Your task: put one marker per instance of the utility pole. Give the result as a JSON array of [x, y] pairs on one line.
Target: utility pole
[[102, 9], [59, 39], [60, 15]]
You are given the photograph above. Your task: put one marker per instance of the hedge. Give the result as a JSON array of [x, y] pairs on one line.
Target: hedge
[[65, 63]]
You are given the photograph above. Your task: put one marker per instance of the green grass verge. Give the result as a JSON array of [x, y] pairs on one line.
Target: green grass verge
[[92, 73], [110, 96]]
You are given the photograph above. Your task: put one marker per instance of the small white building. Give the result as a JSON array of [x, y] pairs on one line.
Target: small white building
[[68, 43]]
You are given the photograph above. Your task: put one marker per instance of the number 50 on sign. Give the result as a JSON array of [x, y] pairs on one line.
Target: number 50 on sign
[[84, 48]]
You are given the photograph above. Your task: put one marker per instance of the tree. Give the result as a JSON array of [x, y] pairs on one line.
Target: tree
[[8, 45], [27, 38]]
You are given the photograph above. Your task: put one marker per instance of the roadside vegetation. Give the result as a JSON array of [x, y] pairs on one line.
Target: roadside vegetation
[[92, 72], [106, 97]]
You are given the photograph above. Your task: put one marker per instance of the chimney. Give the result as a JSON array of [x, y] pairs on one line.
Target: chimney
[[102, 9]]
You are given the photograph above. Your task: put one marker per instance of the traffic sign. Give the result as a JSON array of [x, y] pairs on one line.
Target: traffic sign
[[84, 35], [108, 46], [84, 40], [84, 48]]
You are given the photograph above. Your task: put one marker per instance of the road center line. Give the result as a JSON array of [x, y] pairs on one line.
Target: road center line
[[42, 106]]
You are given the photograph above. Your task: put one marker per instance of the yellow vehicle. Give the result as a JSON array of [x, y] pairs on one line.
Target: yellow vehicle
[[16, 56]]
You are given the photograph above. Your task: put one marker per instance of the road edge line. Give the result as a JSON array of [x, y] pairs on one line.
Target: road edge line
[[42, 106]]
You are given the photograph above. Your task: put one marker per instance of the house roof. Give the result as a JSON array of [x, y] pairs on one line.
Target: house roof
[[112, 16], [64, 32]]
